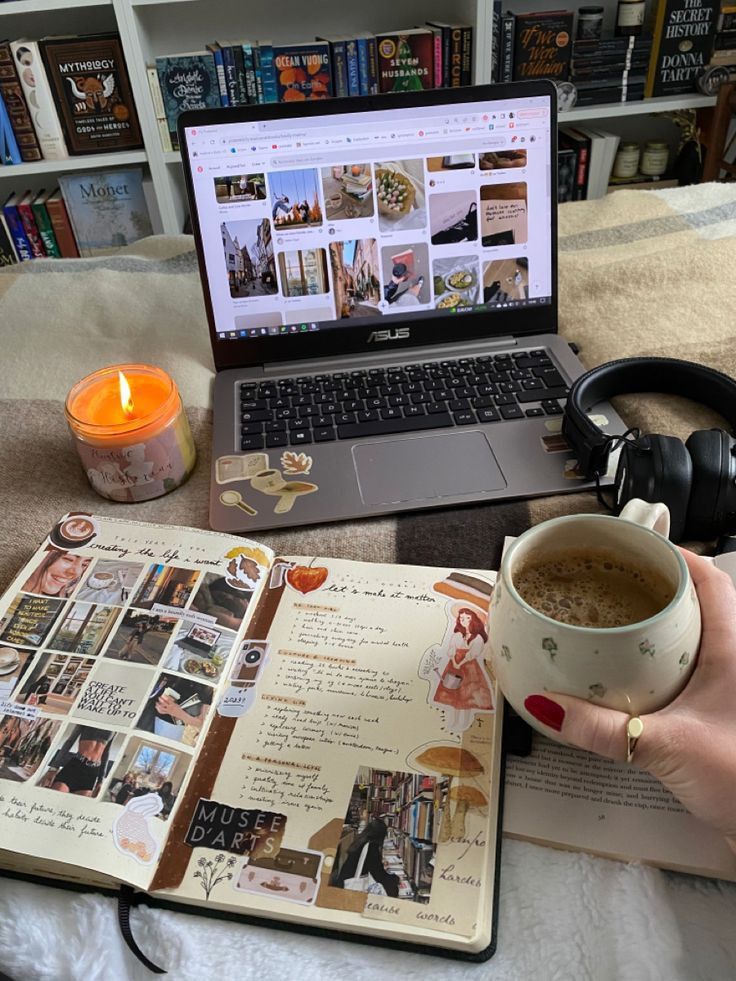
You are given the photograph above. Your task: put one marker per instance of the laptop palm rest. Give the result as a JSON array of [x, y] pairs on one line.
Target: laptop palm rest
[[421, 468]]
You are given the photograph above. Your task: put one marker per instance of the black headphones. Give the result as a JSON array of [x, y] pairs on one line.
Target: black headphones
[[695, 479]]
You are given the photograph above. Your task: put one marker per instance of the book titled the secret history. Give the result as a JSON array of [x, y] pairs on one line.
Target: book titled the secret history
[[92, 92], [682, 45], [543, 45]]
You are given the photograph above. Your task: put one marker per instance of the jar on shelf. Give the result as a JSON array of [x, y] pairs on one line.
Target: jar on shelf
[[590, 23], [626, 163], [654, 158], [630, 17]]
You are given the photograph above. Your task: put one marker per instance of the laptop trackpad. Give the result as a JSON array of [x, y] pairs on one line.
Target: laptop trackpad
[[420, 468]]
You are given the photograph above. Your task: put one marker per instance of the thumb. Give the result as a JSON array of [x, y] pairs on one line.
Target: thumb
[[582, 723]]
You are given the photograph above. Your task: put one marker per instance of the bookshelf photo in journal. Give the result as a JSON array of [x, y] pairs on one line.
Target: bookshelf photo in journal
[[308, 740]]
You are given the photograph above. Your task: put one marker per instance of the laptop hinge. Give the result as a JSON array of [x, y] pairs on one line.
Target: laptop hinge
[[431, 352]]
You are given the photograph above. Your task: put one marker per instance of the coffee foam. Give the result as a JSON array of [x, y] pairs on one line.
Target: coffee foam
[[592, 587]]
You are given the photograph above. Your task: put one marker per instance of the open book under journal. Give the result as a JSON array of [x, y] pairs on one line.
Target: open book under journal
[[310, 740]]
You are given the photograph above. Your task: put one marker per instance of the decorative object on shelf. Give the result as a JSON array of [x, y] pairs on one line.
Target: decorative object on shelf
[[567, 96], [590, 23], [654, 158], [712, 79], [630, 17], [626, 163], [90, 83], [131, 432], [107, 210], [688, 164], [682, 45]]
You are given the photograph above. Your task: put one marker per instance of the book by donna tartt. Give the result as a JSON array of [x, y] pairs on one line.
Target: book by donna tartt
[[302, 71]]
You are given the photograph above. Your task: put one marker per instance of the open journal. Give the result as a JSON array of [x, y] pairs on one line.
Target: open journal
[[310, 740]]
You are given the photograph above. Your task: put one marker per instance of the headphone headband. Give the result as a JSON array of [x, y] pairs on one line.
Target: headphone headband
[[629, 375]]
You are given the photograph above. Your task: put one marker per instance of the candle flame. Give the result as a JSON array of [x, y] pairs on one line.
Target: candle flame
[[126, 400]]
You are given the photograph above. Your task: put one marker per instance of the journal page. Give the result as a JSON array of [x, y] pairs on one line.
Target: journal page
[[114, 640], [350, 776]]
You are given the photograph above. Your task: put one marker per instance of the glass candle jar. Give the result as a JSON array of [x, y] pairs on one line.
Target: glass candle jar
[[131, 432], [590, 23], [630, 17], [626, 163], [654, 158]]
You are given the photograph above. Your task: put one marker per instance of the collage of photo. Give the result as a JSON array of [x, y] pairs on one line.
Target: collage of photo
[[286, 235], [119, 660]]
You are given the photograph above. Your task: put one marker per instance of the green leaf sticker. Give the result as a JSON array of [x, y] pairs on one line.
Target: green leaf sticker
[[647, 647], [550, 646], [505, 652], [684, 659], [597, 690]]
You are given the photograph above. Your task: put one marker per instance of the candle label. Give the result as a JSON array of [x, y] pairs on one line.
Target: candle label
[[143, 470]]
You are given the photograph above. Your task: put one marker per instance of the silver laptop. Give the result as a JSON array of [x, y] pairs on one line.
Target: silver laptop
[[380, 278]]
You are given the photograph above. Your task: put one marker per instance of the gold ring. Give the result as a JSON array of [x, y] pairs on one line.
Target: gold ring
[[634, 729]]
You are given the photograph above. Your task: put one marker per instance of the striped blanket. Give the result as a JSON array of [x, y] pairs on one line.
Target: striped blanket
[[641, 273]]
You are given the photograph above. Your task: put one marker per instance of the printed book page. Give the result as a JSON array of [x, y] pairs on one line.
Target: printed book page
[[115, 641], [566, 797], [350, 778]]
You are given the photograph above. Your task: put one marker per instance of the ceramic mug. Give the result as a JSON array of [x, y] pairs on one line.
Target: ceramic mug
[[636, 668]]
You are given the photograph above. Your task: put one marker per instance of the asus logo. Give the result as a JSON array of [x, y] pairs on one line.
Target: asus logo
[[398, 334]]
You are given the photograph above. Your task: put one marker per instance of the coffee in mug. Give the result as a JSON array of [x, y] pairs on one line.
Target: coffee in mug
[[591, 586]]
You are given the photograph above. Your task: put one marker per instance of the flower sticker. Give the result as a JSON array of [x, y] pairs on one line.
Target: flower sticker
[[550, 646], [295, 462], [647, 647], [505, 652], [684, 659]]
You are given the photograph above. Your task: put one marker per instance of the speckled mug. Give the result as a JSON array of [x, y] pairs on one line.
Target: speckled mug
[[636, 668]]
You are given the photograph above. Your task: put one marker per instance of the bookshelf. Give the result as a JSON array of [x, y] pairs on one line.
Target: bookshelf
[[149, 28]]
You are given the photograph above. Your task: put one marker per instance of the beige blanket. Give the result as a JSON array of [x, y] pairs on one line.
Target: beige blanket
[[640, 273]]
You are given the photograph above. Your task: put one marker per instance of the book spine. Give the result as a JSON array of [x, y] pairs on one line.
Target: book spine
[[351, 57], [8, 255], [456, 57], [363, 78], [496, 40], [373, 65], [437, 57], [240, 85], [33, 235], [167, 138], [508, 25], [466, 76], [62, 228], [17, 233], [45, 230], [268, 74], [581, 173], [40, 100], [339, 68], [258, 73], [220, 70], [15, 103], [231, 81], [250, 74], [9, 151]]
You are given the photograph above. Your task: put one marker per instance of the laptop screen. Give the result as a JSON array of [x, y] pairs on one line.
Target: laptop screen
[[347, 220]]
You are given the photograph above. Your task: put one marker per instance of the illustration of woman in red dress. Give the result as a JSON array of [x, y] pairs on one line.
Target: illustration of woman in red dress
[[464, 687]]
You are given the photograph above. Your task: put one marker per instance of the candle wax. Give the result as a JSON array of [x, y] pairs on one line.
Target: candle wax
[[100, 404]]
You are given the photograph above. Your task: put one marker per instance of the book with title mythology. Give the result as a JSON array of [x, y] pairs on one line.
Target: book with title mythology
[[293, 738]]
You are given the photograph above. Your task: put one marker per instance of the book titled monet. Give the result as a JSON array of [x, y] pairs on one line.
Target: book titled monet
[[303, 71], [107, 210], [188, 81], [91, 89]]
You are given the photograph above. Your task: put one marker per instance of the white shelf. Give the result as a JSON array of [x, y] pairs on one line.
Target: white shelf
[[39, 6], [94, 161], [667, 103]]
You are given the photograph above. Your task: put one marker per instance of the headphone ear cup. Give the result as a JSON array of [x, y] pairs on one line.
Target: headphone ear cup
[[656, 468], [710, 452]]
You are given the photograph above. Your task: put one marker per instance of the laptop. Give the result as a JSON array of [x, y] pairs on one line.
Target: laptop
[[380, 280]]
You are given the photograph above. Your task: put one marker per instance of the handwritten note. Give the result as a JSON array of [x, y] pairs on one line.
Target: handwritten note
[[26, 812], [285, 786]]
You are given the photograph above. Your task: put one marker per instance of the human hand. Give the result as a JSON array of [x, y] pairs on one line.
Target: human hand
[[166, 705], [690, 744]]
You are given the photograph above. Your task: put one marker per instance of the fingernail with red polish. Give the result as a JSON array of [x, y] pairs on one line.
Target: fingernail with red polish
[[545, 711]]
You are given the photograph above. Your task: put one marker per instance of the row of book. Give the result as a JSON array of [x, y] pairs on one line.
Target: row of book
[[87, 215], [62, 97], [585, 157], [236, 73], [669, 56]]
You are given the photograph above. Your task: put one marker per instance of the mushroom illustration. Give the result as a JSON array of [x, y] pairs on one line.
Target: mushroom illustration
[[454, 762], [466, 797]]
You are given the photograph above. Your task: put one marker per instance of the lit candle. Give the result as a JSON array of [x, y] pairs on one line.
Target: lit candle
[[131, 432]]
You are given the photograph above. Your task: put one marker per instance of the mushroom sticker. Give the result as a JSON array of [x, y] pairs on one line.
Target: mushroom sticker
[[458, 764]]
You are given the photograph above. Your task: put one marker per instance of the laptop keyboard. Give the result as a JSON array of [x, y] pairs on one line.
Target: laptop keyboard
[[401, 399]]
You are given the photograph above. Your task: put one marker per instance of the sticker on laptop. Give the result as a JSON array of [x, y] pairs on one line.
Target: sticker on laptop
[[239, 467]]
